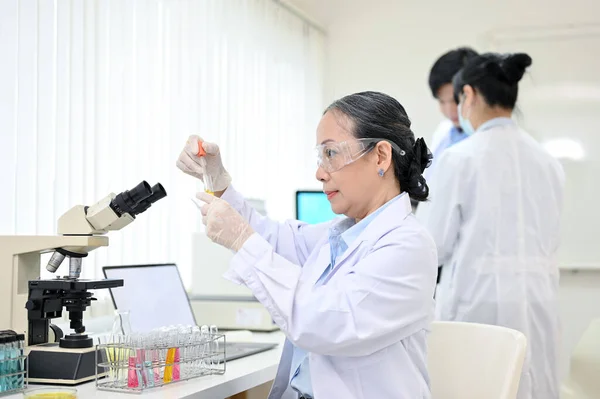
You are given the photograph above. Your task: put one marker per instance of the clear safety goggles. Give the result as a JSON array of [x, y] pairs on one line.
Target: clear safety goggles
[[333, 156]]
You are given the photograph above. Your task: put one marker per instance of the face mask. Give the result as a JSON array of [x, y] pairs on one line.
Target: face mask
[[465, 124]]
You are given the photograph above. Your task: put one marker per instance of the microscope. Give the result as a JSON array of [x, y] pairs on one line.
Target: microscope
[[54, 358]]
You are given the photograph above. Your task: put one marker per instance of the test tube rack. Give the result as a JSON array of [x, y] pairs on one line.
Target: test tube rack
[[124, 367], [13, 375]]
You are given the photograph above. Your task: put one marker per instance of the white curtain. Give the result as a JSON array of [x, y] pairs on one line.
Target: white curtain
[[96, 96]]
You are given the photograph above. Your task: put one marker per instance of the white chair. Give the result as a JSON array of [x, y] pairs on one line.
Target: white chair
[[475, 361], [583, 381]]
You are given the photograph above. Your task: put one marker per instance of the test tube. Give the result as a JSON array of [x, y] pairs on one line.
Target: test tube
[[205, 336], [139, 359], [168, 376], [8, 366], [14, 364], [155, 342], [120, 359], [208, 182], [21, 361], [132, 374], [147, 358], [177, 356], [2, 362], [196, 350], [214, 342], [206, 178], [184, 349]]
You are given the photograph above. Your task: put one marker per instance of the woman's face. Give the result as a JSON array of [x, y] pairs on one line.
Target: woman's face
[[350, 188]]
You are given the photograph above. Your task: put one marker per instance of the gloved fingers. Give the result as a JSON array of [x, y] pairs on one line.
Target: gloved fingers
[[205, 220], [191, 145], [210, 148], [204, 210], [205, 197], [183, 167], [187, 160]]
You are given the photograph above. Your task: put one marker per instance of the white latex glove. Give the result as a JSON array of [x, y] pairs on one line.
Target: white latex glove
[[211, 164], [224, 225]]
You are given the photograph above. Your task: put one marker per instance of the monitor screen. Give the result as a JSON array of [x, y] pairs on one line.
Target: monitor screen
[[153, 294], [313, 207]]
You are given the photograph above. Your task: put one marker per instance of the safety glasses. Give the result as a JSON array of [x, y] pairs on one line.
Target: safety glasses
[[333, 156]]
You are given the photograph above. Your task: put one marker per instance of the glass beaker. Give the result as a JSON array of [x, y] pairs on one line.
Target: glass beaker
[[121, 324]]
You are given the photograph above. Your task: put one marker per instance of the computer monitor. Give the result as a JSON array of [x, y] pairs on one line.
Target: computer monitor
[[154, 295], [313, 207]]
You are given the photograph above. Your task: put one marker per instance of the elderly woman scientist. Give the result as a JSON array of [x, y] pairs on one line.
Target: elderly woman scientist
[[354, 297]]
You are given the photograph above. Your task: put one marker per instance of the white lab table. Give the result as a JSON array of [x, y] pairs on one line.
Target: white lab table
[[240, 375]]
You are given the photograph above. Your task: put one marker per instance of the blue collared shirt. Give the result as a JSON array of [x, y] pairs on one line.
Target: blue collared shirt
[[456, 135], [341, 236]]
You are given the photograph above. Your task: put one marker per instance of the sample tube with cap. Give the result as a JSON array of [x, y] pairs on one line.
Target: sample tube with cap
[[208, 183]]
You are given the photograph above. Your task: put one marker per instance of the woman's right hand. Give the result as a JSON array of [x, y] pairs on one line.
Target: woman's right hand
[[189, 162]]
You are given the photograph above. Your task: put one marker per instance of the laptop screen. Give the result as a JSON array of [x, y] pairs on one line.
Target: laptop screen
[[153, 294]]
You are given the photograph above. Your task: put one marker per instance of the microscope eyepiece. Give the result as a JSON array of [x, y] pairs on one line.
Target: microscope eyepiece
[[129, 199], [158, 192]]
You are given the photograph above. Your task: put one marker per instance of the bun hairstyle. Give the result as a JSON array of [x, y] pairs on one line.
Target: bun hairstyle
[[378, 116], [514, 66], [495, 76]]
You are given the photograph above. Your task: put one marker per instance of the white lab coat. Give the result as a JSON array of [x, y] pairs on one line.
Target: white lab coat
[[365, 328], [495, 218]]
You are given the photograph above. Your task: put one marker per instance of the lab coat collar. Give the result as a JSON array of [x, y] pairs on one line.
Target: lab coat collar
[[495, 122], [355, 229], [389, 218]]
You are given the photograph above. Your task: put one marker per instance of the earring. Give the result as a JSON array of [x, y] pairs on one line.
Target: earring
[[380, 172]]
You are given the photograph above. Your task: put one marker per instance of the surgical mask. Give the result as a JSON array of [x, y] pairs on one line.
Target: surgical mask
[[333, 156], [465, 124]]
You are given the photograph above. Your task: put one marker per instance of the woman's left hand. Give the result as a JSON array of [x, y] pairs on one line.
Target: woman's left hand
[[224, 225]]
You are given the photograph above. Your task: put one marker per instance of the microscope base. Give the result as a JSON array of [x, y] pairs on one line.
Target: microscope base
[[49, 364]]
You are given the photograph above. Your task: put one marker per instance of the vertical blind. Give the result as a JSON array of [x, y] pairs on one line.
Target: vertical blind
[[96, 96]]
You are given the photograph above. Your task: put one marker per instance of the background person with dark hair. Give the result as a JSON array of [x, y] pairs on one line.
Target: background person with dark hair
[[449, 131], [495, 220]]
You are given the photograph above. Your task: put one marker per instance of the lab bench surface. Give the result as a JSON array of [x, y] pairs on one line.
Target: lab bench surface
[[241, 375]]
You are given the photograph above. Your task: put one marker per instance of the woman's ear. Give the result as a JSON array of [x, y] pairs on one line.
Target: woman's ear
[[383, 149], [469, 96]]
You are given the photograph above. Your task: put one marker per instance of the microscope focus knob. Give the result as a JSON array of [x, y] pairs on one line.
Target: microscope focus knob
[[31, 305]]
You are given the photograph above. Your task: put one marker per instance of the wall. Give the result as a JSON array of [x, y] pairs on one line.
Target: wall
[[390, 46], [393, 44]]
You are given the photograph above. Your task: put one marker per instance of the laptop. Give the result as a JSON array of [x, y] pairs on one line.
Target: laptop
[[155, 296]]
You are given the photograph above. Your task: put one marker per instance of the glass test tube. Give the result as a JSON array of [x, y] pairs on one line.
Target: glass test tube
[[170, 358], [21, 361], [214, 359], [204, 333], [132, 373], [2, 362]]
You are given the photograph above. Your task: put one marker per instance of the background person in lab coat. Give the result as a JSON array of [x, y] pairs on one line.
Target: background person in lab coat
[[354, 297], [448, 131], [497, 202]]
